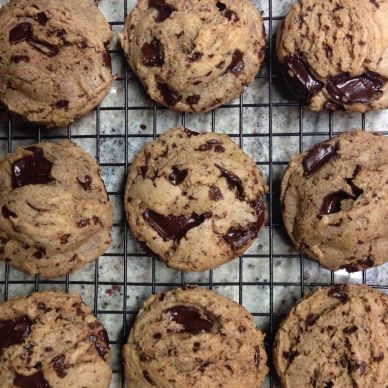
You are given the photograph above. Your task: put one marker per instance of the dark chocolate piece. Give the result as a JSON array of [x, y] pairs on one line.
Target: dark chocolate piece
[[237, 237], [332, 202], [7, 213], [31, 170], [36, 380], [339, 292], [290, 355], [190, 133], [45, 48], [59, 365], [106, 58], [164, 10], [215, 193], [237, 64], [230, 15], [193, 320], [20, 58], [62, 104], [350, 329], [42, 18], [234, 182], [363, 88], [196, 56], [317, 157], [194, 99], [20, 33], [256, 357], [152, 53], [101, 342], [14, 331], [86, 184], [39, 253], [177, 176], [299, 78], [171, 98], [359, 265], [310, 319], [173, 227], [147, 376]]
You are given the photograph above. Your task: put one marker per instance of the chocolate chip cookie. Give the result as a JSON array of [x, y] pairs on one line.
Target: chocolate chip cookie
[[336, 337], [193, 337], [335, 200], [333, 53], [55, 214], [51, 339], [195, 199], [54, 59], [193, 56]]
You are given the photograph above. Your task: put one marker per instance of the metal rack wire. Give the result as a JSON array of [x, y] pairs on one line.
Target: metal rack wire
[[273, 220]]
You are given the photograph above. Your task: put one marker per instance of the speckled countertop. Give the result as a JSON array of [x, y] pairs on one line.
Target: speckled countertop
[[246, 280]]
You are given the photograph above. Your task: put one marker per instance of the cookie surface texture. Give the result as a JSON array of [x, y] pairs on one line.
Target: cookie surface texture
[[336, 337], [55, 214], [52, 340], [193, 337], [334, 53], [195, 199], [193, 56], [54, 60], [334, 200]]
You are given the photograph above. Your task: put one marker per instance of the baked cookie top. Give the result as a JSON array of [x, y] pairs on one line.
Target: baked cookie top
[[336, 337], [55, 214], [195, 199], [194, 55], [54, 59], [51, 339], [335, 199], [194, 337], [333, 53]]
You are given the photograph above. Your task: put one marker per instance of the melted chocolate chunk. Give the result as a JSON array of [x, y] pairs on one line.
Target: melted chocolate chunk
[[106, 58], [62, 104], [350, 329], [226, 12], [14, 331], [317, 157], [234, 182], [7, 213], [195, 56], [42, 18], [36, 380], [190, 133], [237, 237], [310, 319], [299, 78], [256, 357], [379, 357], [31, 170], [211, 145], [59, 365], [194, 99], [48, 49], [20, 58], [39, 253], [20, 33], [173, 227], [332, 202], [101, 342], [359, 265], [332, 106], [86, 184], [237, 64], [339, 292], [221, 6], [171, 98], [164, 10], [345, 89], [192, 320], [177, 176], [215, 193], [152, 54]]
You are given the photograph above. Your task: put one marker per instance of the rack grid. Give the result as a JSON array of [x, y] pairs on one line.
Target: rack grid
[[126, 253]]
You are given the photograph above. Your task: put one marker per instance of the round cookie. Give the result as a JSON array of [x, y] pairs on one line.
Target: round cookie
[[55, 214], [54, 60], [195, 199], [335, 200], [194, 337], [333, 53], [194, 56], [336, 337], [51, 339]]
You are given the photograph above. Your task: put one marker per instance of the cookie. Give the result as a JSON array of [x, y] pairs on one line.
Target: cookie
[[195, 199], [336, 337], [54, 60], [194, 56], [193, 337], [52, 339], [335, 201], [333, 53], [55, 213]]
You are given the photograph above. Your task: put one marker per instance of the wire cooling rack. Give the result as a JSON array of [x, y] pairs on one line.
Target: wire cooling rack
[[266, 122]]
